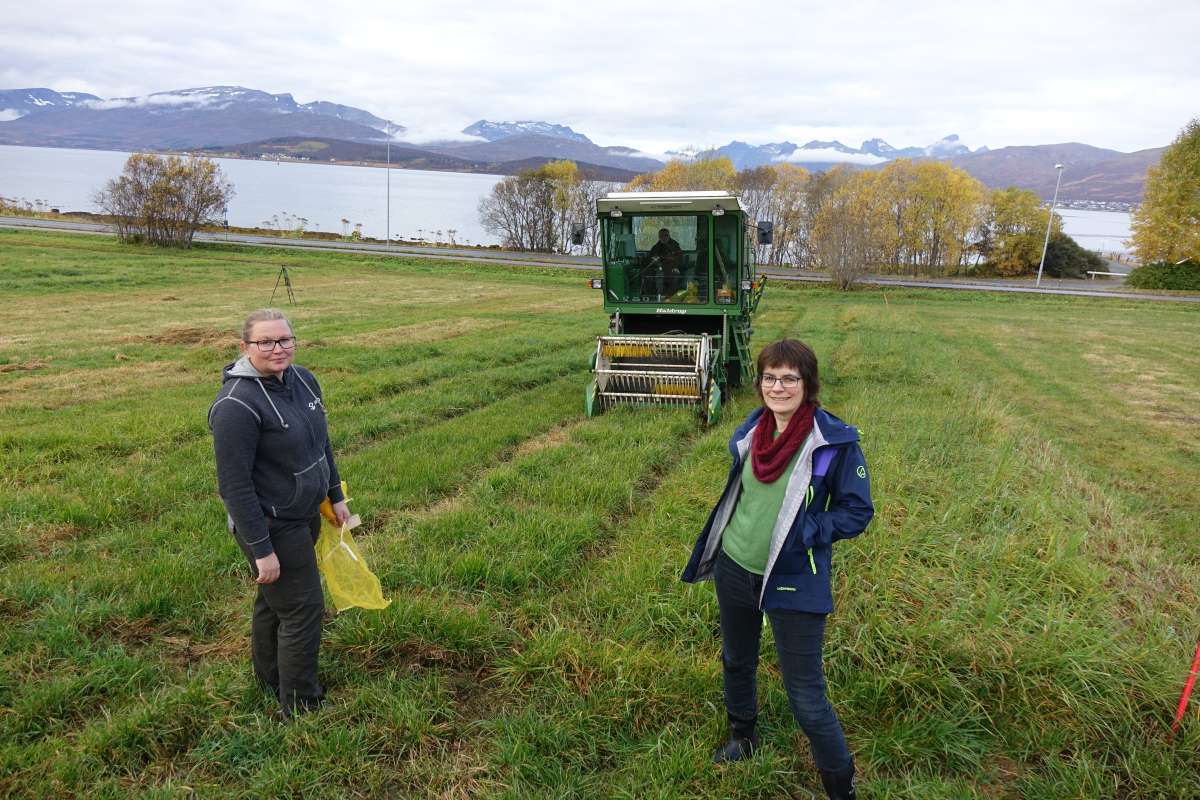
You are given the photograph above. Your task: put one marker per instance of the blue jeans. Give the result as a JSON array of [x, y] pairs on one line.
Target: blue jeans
[[798, 639]]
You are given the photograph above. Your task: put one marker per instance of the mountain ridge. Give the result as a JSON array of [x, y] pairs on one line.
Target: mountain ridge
[[247, 121]]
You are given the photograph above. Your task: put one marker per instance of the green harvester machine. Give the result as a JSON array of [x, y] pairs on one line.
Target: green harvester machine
[[679, 287]]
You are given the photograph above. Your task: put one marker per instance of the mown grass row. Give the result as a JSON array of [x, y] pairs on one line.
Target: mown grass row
[[1016, 622]]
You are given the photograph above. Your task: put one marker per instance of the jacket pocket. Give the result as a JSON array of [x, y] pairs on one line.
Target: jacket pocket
[[310, 485], [799, 591]]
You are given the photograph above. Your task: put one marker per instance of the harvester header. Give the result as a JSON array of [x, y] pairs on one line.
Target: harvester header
[[679, 287]]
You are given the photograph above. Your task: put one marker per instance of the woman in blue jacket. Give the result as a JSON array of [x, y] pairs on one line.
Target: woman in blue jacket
[[797, 484]]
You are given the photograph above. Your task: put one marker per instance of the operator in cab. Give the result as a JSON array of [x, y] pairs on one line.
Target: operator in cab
[[666, 259]]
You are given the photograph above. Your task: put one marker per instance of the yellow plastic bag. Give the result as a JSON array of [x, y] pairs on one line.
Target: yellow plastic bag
[[349, 580]]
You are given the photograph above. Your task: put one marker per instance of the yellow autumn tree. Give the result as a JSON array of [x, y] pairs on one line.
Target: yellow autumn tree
[[785, 207], [537, 208], [851, 229], [946, 204], [1012, 230], [683, 176], [896, 184], [1166, 227]]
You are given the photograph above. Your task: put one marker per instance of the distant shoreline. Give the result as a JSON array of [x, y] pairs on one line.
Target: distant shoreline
[[1116, 206], [239, 157]]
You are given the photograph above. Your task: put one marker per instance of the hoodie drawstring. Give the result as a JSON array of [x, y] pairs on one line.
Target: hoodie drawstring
[[267, 395]]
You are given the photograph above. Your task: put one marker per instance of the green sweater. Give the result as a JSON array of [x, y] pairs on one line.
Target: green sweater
[[747, 537]]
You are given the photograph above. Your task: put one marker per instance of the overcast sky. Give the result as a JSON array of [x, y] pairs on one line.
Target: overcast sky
[[656, 76]]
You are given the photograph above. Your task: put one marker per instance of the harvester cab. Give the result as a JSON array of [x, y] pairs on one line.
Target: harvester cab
[[679, 287]]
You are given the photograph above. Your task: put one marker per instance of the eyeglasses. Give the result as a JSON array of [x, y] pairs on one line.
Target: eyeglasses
[[268, 345], [788, 381]]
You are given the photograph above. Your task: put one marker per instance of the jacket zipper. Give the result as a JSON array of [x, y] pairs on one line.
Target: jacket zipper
[[807, 506]]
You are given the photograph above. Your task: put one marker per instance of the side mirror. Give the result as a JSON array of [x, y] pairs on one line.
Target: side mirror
[[766, 232], [578, 230]]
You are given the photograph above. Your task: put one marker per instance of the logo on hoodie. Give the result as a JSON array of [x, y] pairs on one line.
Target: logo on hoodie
[[862, 472]]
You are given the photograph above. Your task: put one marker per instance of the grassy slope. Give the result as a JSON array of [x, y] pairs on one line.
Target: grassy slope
[[1016, 623]]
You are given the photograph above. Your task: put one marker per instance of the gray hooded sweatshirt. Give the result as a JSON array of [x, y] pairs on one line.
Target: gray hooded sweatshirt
[[272, 450]]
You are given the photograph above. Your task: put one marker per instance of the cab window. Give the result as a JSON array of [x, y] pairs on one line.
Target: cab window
[[656, 258]]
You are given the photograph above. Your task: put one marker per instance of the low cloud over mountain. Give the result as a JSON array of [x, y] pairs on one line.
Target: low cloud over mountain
[[179, 119], [249, 122]]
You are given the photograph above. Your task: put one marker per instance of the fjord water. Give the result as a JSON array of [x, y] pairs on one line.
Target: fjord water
[[423, 203]]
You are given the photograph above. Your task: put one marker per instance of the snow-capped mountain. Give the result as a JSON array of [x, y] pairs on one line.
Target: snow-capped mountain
[[495, 131], [17, 103], [819, 154], [183, 118], [250, 122]]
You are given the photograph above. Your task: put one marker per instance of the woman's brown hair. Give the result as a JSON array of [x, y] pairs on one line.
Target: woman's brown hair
[[797, 355]]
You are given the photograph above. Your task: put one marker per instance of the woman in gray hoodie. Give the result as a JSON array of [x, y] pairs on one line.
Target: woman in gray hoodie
[[274, 469]]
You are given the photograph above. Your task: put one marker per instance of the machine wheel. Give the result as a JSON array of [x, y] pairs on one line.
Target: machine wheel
[[712, 409], [591, 400]]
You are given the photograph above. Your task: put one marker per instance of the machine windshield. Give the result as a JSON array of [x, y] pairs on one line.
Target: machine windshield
[[656, 259]]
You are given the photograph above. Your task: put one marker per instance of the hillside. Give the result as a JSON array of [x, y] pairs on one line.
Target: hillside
[[401, 156], [1090, 173], [522, 146]]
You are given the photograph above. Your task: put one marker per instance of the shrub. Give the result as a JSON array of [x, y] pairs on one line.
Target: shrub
[[1066, 259], [162, 200], [1182, 276]]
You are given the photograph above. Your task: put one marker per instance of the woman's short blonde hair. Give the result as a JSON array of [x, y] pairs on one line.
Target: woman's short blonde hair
[[262, 315]]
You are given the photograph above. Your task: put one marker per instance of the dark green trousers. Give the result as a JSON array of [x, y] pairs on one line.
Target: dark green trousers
[[285, 631]]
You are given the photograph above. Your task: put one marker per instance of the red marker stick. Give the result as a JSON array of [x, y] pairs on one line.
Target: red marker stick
[[1187, 692]]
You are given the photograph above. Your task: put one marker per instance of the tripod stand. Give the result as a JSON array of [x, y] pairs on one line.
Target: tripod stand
[[287, 282]]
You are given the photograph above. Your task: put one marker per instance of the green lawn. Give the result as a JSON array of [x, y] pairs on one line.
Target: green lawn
[[1016, 623]]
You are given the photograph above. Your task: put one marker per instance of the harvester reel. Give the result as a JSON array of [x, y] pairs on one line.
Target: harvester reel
[[654, 370]]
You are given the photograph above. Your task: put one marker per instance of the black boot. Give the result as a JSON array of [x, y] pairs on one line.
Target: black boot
[[742, 741], [839, 785]]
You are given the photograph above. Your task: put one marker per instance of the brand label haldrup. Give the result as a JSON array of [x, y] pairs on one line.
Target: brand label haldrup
[[670, 311]]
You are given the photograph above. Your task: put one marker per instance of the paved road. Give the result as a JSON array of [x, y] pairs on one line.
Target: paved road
[[452, 253], [1055, 286]]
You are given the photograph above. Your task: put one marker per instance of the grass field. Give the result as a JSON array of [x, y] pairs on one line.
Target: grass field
[[1016, 623]]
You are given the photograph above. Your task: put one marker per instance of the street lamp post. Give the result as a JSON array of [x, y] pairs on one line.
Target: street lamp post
[[389, 192], [1049, 222]]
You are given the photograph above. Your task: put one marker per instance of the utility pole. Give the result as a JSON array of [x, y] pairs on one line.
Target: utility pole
[[389, 192], [1049, 222]]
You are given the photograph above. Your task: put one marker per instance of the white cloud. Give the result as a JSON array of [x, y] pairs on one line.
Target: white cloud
[[423, 132], [152, 100], [830, 156], [773, 70]]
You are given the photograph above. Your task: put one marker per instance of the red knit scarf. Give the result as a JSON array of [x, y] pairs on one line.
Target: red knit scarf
[[770, 456]]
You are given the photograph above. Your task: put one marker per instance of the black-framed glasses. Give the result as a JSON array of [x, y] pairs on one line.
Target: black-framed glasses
[[787, 381], [268, 345]]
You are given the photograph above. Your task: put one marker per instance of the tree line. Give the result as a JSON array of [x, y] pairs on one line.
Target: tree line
[[923, 217], [915, 217], [537, 209]]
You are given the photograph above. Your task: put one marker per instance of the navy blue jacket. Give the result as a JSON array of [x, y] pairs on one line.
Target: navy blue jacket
[[828, 498]]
